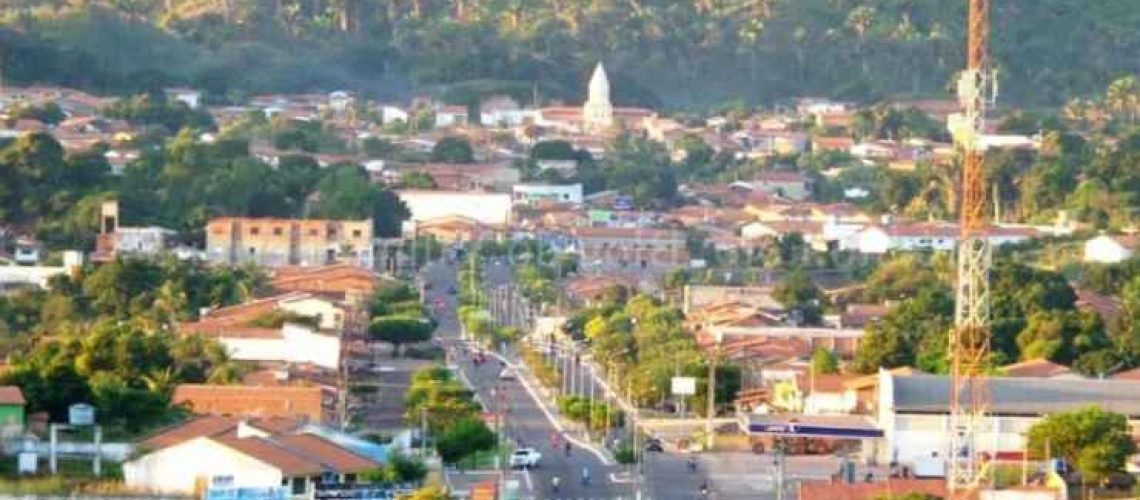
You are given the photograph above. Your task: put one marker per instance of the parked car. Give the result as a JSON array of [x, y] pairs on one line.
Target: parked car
[[525, 458], [507, 374]]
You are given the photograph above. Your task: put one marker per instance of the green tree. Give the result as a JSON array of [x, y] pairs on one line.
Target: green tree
[[400, 330], [823, 361], [453, 149], [467, 436], [417, 180], [1096, 441], [427, 493], [347, 193], [798, 293]]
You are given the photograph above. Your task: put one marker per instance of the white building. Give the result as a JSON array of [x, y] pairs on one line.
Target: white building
[[222, 454], [925, 236], [528, 194], [149, 241], [598, 112], [1107, 249], [487, 208], [293, 344], [190, 97], [391, 114], [913, 411]]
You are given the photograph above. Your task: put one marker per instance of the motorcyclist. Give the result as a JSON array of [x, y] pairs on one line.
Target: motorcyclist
[[705, 489], [692, 463], [568, 446], [585, 476], [555, 482]]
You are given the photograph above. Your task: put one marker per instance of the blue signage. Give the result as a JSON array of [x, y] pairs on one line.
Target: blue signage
[[246, 494], [623, 203], [809, 430]]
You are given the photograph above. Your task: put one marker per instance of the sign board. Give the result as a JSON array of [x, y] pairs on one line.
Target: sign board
[[81, 414], [684, 386], [269, 493], [809, 430]]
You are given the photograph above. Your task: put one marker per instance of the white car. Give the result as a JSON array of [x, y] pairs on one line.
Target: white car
[[507, 374], [525, 458]]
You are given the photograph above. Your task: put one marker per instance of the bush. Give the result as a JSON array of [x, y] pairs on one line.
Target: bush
[[625, 454]]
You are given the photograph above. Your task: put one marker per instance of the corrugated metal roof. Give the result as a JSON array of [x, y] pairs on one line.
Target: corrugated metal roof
[[1020, 396]]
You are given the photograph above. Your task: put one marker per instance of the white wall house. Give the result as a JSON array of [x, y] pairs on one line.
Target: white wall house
[[392, 114], [329, 315], [182, 467], [926, 236], [190, 97], [294, 344], [1107, 249], [533, 193], [830, 402], [151, 240]]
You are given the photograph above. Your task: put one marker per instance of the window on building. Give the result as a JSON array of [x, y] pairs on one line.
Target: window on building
[[226, 481], [255, 231], [350, 478], [314, 232], [332, 233], [277, 231], [252, 251], [356, 233], [299, 486]]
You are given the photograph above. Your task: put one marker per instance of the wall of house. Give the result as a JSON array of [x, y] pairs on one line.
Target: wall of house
[[179, 468], [830, 403], [331, 316], [487, 208], [1106, 250], [297, 344]]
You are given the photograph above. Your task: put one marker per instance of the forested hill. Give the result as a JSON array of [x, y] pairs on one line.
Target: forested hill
[[676, 52]]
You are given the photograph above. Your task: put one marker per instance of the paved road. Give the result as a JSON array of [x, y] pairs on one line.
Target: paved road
[[525, 421]]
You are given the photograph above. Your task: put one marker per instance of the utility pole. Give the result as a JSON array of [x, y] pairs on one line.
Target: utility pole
[[710, 412]]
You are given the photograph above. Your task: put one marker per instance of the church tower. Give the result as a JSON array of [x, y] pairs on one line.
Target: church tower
[[598, 113]]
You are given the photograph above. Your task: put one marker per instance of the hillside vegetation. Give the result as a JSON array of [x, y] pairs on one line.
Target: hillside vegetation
[[677, 52]]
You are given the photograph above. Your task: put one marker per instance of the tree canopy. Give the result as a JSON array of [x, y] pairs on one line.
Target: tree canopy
[[1095, 441]]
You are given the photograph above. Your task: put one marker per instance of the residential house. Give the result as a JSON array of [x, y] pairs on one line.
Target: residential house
[[530, 194], [450, 116], [115, 239], [825, 143], [1110, 249], [340, 280], [251, 401], [275, 242], [874, 150], [460, 177], [620, 247], [216, 455], [816, 394], [288, 328], [879, 239], [192, 98], [12, 405], [390, 113], [456, 229], [785, 184], [842, 341]]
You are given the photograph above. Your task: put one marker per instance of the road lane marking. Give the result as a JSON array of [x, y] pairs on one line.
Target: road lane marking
[[529, 483]]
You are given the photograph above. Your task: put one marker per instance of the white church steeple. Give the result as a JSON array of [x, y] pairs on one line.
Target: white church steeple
[[598, 113]]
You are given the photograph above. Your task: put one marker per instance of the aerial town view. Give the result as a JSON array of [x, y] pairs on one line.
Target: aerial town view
[[570, 249]]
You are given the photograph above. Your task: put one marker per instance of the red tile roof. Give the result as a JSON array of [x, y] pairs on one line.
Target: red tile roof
[[11, 395], [827, 490], [1035, 368], [266, 451], [247, 400]]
